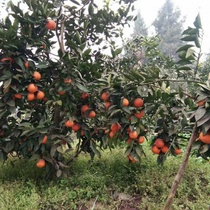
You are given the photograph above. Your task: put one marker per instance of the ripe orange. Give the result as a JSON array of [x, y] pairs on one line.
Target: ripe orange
[[37, 76], [177, 151], [82, 132], [32, 88], [6, 59], [105, 96], [51, 24], [69, 123], [61, 92], [155, 150], [205, 138], [92, 114], [125, 102], [44, 140], [85, 95], [41, 163], [165, 149], [18, 95], [67, 80], [129, 141], [138, 102], [26, 64], [40, 95], [141, 139], [140, 114], [115, 127], [30, 97], [133, 134], [76, 127], [200, 103], [132, 159], [107, 104], [84, 108], [159, 143], [111, 134]]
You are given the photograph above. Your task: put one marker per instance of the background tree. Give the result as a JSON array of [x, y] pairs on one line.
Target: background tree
[[169, 26], [140, 28]]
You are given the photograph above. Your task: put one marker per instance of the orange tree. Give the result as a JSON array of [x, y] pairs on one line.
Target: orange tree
[[58, 86]]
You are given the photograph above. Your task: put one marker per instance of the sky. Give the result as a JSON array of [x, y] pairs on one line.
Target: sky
[[189, 10]]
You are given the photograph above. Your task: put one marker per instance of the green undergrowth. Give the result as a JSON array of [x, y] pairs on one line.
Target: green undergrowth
[[98, 184]]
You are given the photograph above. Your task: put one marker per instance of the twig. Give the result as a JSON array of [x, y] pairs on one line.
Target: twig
[[182, 167]]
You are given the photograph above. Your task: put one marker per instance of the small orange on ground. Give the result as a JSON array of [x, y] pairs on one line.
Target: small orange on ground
[[6, 59], [115, 127], [67, 80], [111, 134], [133, 134], [76, 127], [51, 24], [92, 114], [202, 102], [107, 104], [84, 108], [141, 139], [138, 102], [26, 64], [41, 163], [32, 88], [159, 143], [85, 95], [140, 114], [44, 140], [177, 151], [125, 102], [69, 123], [105, 96], [205, 138], [37, 76], [61, 92], [155, 150], [165, 149], [30, 97], [40, 95], [18, 95]]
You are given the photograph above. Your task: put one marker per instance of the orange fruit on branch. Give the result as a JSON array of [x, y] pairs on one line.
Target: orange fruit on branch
[[84, 108], [201, 103], [107, 104], [41, 163], [92, 114], [159, 143], [69, 123], [61, 92], [133, 134], [44, 140], [30, 97], [138, 102], [141, 139], [165, 149], [85, 95], [140, 114], [76, 127], [177, 151], [51, 25], [6, 59], [66, 81], [205, 138], [115, 127], [125, 102], [37, 76], [32, 88], [105, 96], [111, 134], [18, 95], [40, 95], [155, 150]]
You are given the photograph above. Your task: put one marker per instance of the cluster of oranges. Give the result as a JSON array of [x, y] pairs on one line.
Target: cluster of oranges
[[159, 146]]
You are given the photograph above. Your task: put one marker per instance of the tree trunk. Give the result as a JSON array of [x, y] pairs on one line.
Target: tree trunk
[[181, 169]]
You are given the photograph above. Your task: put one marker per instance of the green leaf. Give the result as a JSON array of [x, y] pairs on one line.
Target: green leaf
[[200, 112], [9, 146], [184, 48], [82, 87], [59, 102], [58, 173], [7, 83], [197, 22], [189, 38], [11, 103]]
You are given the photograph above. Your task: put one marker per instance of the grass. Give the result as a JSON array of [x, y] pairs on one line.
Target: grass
[[101, 185]]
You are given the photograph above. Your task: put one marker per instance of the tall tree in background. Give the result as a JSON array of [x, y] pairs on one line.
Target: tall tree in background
[[140, 28], [169, 26]]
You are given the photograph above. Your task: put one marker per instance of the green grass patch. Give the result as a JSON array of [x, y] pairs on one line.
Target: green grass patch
[[100, 184]]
